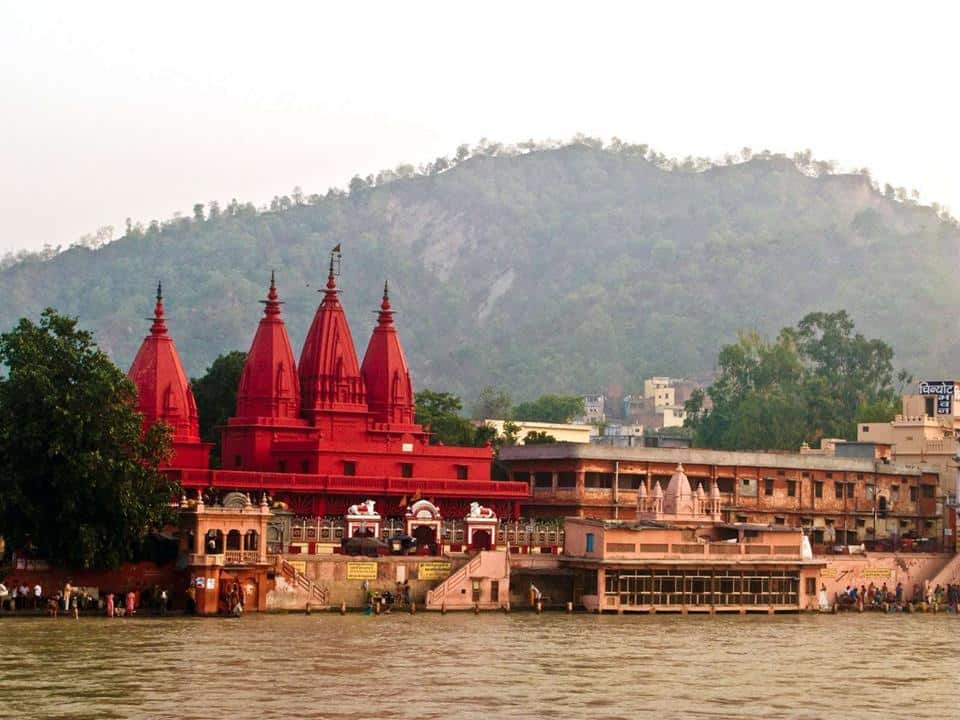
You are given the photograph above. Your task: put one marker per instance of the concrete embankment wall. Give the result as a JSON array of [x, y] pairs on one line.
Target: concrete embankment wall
[[879, 568], [344, 578]]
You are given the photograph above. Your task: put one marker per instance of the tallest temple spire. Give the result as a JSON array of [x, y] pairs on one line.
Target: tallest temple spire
[[329, 371]]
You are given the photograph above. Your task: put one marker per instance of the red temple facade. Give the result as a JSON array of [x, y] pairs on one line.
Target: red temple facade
[[322, 434]]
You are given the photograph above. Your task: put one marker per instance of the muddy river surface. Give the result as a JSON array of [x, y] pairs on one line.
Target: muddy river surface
[[488, 666]]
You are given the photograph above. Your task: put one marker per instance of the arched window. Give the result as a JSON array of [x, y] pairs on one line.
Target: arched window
[[213, 542], [233, 540]]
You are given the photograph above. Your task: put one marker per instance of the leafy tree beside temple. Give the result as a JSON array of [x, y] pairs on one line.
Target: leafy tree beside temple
[[816, 380], [79, 480]]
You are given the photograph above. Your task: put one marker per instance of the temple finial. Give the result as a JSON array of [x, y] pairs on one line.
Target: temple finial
[[272, 302], [386, 291], [158, 327]]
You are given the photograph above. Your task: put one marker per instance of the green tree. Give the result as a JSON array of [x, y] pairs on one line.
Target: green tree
[[440, 411], [814, 381], [493, 404], [550, 408], [78, 478], [216, 396], [538, 437]]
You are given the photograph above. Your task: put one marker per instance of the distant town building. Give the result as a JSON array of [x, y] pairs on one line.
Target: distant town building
[[594, 409], [661, 404]]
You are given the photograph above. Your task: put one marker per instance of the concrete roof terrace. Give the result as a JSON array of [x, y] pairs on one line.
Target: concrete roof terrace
[[692, 456]]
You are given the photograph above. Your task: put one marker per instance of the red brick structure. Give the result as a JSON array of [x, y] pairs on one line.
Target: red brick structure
[[839, 500], [323, 434]]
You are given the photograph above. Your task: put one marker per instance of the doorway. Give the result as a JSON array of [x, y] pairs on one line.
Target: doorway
[[426, 537], [481, 540]]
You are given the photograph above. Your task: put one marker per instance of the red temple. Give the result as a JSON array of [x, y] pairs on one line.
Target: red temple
[[323, 435]]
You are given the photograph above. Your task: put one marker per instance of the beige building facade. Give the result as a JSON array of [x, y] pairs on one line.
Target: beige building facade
[[925, 433], [563, 432]]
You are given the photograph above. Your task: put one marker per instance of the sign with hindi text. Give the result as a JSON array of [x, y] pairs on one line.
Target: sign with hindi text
[[943, 391], [361, 571], [434, 570]]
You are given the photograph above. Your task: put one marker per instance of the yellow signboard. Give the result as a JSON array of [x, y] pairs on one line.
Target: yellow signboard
[[299, 565], [828, 572], [876, 572], [361, 571], [434, 570]]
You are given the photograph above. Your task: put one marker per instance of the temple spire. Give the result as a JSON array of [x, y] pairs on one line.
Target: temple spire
[[329, 372], [269, 386], [272, 303], [159, 327], [386, 311], [385, 371]]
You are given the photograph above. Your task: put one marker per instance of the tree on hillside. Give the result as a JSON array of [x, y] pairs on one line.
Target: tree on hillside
[[550, 408], [816, 380], [78, 480], [216, 396], [493, 404]]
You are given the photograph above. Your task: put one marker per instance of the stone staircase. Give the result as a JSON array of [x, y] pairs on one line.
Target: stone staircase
[[318, 594], [487, 564], [949, 573]]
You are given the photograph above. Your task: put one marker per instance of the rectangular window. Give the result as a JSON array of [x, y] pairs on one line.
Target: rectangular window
[[589, 542], [494, 591], [567, 479], [914, 493], [778, 520], [475, 596], [928, 491], [543, 480], [792, 488], [598, 480], [305, 466], [829, 476], [894, 492], [521, 476], [811, 586], [838, 490], [406, 470], [871, 491], [851, 490], [818, 489], [349, 467], [861, 522], [768, 486], [237, 460], [461, 472]]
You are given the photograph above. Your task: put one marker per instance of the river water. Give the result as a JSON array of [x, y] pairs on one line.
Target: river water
[[488, 666]]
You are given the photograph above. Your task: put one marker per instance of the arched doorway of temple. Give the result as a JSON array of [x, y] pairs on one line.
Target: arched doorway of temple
[[481, 540], [426, 537]]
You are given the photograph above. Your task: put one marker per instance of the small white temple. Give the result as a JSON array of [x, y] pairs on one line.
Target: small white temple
[[679, 503]]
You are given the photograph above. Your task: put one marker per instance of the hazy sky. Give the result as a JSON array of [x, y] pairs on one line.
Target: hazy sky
[[115, 110]]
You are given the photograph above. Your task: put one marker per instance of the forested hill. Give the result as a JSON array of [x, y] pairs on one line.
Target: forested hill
[[555, 270]]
